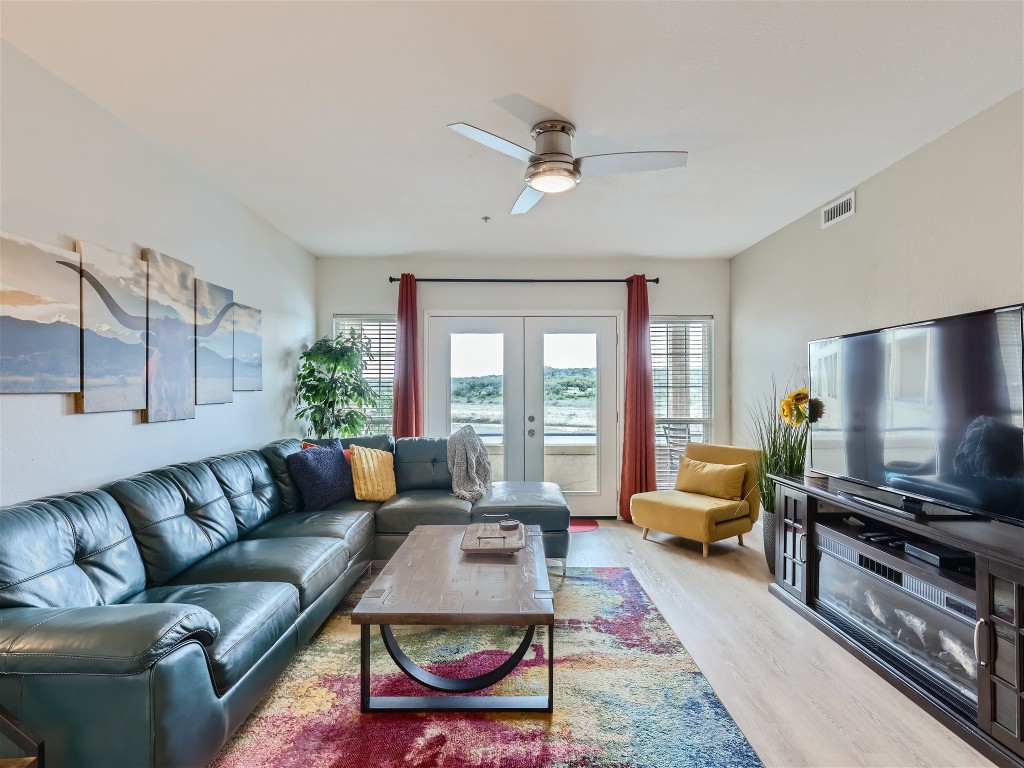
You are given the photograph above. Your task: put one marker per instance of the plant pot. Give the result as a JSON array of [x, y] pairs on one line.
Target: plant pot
[[768, 534]]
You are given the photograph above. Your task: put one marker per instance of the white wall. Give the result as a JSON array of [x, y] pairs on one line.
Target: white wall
[[72, 171], [688, 287], [940, 232]]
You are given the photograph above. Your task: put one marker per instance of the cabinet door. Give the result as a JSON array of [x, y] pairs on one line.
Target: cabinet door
[[1000, 641], [792, 545]]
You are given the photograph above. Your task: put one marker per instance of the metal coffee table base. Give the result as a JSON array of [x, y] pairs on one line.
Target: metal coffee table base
[[370, 703]]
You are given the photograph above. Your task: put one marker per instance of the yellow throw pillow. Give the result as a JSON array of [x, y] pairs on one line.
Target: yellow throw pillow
[[373, 473], [723, 481]]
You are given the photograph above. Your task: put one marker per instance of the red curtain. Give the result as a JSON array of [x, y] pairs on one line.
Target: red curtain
[[638, 470], [407, 414]]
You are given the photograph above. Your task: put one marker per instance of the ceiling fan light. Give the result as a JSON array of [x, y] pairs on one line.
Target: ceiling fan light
[[553, 180]]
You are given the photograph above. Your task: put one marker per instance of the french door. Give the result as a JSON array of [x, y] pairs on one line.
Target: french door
[[542, 393]]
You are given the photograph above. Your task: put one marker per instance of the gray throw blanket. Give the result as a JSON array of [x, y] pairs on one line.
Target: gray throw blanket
[[469, 465]]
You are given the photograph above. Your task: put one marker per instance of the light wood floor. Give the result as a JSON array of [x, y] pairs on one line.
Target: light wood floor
[[799, 697]]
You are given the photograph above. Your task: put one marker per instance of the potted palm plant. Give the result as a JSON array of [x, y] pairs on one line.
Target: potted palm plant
[[780, 432], [330, 391]]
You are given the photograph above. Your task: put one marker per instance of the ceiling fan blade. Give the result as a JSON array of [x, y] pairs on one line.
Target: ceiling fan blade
[[629, 162], [528, 110], [526, 200], [494, 142]]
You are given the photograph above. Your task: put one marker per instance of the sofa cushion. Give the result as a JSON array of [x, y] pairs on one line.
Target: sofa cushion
[[680, 505], [67, 552], [723, 481], [690, 515], [421, 463], [253, 616], [404, 511], [310, 564], [322, 476], [531, 503], [249, 487], [277, 453], [354, 526], [178, 515]]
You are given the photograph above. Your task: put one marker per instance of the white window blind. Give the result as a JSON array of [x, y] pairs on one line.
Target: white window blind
[[681, 357], [381, 331]]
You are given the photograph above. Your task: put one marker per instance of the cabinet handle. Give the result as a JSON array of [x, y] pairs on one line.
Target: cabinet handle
[[977, 642], [802, 548]]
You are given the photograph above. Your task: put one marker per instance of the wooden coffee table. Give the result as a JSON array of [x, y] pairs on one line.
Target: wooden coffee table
[[430, 580]]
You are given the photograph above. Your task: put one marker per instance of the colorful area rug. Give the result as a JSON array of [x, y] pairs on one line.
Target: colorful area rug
[[627, 694], [582, 525]]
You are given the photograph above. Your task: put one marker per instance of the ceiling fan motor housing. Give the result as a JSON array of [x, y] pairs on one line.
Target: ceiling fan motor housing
[[553, 152]]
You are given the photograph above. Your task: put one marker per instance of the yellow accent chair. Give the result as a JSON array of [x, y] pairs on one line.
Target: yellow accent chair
[[703, 518]]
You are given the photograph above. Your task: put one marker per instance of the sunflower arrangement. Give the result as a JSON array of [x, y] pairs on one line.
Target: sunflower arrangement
[[781, 434], [799, 408]]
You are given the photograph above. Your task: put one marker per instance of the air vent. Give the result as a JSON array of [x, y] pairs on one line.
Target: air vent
[[880, 569], [842, 208], [842, 551]]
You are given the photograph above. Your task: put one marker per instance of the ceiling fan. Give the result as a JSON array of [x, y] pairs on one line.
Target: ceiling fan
[[551, 167]]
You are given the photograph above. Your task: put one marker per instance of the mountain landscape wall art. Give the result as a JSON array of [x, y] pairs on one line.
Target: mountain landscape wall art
[[122, 333], [214, 343], [113, 331], [248, 348], [171, 315], [40, 318]]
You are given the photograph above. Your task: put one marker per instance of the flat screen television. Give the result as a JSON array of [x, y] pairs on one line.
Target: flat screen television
[[932, 411]]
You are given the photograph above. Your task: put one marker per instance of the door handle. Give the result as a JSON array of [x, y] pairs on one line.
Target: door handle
[[801, 548], [977, 642]]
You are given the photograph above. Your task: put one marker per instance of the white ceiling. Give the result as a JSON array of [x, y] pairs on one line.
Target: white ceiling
[[328, 119]]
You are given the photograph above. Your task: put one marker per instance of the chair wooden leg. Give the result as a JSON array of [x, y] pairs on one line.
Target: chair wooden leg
[[646, 531], [705, 550], [740, 538]]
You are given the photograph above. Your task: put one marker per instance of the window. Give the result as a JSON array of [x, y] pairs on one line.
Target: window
[[681, 357], [379, 369]]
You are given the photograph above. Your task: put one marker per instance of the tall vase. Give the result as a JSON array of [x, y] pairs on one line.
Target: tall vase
[[768, 531]]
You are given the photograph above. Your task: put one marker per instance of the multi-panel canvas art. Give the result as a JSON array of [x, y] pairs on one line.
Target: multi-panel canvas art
[[171, 314], [214, 343], [113, 331], [40, 308], [122, 333], [248, 348]]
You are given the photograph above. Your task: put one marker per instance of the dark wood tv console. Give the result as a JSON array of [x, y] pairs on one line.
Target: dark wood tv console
[[824, 569]]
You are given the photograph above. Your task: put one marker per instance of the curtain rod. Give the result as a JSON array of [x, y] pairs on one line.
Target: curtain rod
[[654, 280]]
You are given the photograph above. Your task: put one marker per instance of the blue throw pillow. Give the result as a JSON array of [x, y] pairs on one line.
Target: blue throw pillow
[[322, 476]]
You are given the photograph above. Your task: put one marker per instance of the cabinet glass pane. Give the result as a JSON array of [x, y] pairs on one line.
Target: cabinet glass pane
[[1005, 665], [1005, 706], [1002, 599], [924, 635]]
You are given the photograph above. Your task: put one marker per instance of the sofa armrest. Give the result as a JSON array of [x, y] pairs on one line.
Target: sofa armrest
[[98, 640]]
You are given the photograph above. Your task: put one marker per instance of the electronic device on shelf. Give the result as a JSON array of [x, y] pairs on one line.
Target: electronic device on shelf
[[884, 538], [938, 554], [926, 418]]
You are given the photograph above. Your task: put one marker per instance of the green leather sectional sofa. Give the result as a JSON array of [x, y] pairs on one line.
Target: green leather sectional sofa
[[141, 622]]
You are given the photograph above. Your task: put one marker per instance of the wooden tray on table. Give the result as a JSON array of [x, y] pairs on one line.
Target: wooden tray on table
[[489, 538]]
